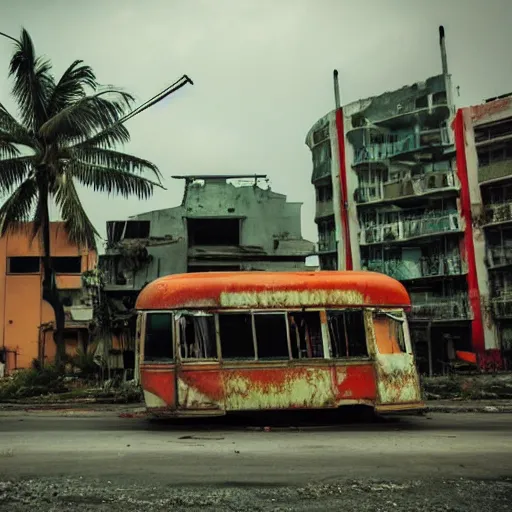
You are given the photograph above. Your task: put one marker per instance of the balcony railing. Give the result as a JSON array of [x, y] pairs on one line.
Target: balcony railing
[[408, 187], [499, 256], [502, 306], [327, 246], [411, 228], [441, 308], [498, 212], [403, 270], [324, 209], [382, 151]]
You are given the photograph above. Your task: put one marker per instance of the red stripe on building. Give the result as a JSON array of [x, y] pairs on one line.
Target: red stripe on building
[[477, 331], [344, 189]]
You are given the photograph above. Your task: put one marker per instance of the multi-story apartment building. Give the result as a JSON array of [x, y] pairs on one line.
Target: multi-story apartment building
[[391, 197], [27, 322], [484, 153]]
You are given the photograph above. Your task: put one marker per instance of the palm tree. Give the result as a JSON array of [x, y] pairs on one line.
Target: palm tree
[[65, 136]]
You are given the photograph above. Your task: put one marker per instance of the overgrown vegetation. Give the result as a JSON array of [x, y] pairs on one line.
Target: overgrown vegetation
[[82, 382]]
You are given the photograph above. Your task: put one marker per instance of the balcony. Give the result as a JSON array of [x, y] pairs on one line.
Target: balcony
[[498, 213], [495, 171], [380, 152], [441, 309], [404, 270], [326, 246], [502, 306], [499, 256], [324, 209], [407, 229], [409, 188]]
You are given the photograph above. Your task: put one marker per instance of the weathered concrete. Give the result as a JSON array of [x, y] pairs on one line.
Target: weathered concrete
[[270, 233]]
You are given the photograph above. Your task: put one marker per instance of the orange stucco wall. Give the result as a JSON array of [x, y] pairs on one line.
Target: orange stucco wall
[[22, 309]]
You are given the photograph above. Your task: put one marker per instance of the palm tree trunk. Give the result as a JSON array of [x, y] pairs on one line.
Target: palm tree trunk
[[50, 292]]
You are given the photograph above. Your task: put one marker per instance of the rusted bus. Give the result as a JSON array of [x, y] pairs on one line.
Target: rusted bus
[[263, 350]]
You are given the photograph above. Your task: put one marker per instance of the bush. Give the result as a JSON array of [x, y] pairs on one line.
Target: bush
[[33, 382]]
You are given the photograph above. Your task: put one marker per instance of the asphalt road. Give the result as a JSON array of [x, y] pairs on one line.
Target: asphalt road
[[109, 461]]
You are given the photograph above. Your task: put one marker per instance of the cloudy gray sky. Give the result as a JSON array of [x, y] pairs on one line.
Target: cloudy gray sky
[[262, 71]]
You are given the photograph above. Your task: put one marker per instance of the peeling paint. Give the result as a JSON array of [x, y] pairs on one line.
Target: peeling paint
[[293, 298], [397, 380], [298, 388]]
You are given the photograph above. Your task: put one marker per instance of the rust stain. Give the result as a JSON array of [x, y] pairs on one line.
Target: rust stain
[[478, 112], [290, 298]]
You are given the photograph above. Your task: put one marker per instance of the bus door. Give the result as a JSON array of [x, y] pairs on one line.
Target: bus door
[[199, 386], [396, 373], [158, 364]]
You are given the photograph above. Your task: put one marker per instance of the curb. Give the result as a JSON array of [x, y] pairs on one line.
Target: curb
[[454, 409]]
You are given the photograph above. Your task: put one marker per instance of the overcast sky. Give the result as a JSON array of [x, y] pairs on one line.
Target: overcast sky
[[262, 71]]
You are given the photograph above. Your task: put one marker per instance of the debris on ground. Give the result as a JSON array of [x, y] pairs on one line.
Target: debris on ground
[[457, 495]]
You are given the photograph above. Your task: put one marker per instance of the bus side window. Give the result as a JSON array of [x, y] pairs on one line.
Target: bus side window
[[389, 334], [158, 339], [197, 337], [348, 335], [236, 338], [271, 335], [306, 334]]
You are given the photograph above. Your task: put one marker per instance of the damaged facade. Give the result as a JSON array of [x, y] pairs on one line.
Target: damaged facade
[[483, 135], [225, 223], [28, 321], [392, 197]]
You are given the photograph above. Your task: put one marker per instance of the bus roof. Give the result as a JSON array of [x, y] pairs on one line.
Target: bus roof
[[272, 290]]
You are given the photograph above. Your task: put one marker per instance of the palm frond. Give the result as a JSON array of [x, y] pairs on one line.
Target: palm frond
[[33, 83], [78, 226], [115, 160], [8, 149], [86, 117], [72, 87], [18, 207], [112, 181], [13, 171], [111, 137], [12, 131]]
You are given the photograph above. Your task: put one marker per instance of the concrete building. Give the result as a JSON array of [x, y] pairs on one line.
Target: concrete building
[[26, 320], [391, 196], [224, 223], [483, 136]]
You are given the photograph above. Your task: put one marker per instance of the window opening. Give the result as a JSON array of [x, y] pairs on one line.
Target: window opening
[[389, 333], [158, 341], [67, 264], [306, 335], [213, 232], [197, 337], [348, 335], [236, 336], [24, 265], [271, 335]]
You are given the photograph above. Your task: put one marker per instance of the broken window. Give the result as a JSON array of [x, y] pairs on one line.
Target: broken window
[[158, 341], [197, 337], [119, 230], [271, 335], [213, 232], [24, 265], [348, 335], [306, 335], [389, 333], [236, 336], [67, 264], [422, 102]]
